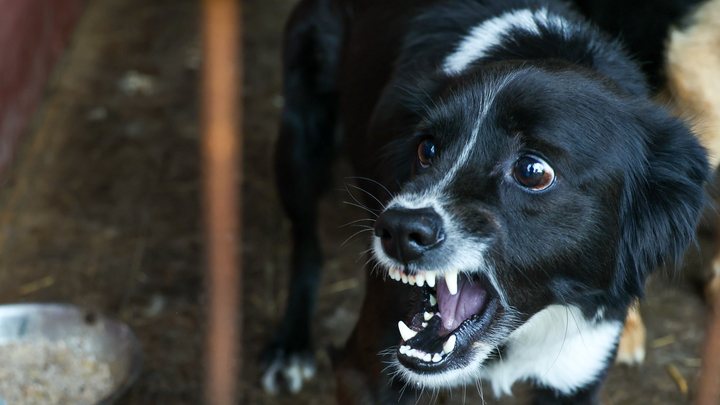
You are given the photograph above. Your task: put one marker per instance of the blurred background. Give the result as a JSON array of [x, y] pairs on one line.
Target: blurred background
[[100, 204]]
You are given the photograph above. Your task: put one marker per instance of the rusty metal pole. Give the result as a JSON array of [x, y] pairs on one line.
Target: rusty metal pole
[[222, 176], [709, 390]]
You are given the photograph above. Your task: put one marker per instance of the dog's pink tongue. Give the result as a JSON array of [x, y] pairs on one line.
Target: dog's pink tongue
[[468, 301]]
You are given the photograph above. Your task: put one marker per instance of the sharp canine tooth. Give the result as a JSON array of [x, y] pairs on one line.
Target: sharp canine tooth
[[411, 280], [404, 278], [427, 316], [451, 281], [406, 332], [430, 278], [449, 345], [436, 357], [433, 300], [427, 357]]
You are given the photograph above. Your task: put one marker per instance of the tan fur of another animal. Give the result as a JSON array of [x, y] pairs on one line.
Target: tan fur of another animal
[[631, 349], [693, 72]]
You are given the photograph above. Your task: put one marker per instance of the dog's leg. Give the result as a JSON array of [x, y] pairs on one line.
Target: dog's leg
[[693, 71], [631, 349], [304, 154]]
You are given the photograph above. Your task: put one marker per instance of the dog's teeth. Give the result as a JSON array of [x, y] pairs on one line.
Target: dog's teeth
[[449, 344], [406, 332], [427, 357], [451, 281], [394, 273], [430, 278], [420, 279], [411, 280], [433, 300], [424, 324], [404, 278], [436, 357], [404, 349], [427, 316]]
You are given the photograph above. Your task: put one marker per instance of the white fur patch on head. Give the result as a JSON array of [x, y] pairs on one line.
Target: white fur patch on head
[[490, 33], [558, 347]]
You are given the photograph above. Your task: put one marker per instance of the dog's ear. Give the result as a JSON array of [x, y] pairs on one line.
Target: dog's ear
[[661, 202]]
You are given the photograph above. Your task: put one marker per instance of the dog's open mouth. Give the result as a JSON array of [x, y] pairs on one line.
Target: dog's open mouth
[[451, 315]]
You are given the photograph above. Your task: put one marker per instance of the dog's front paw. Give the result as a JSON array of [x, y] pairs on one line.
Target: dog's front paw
[[286, 368], [631, 349]]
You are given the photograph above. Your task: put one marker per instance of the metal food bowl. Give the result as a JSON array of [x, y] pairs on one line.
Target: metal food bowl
[[111, 341]]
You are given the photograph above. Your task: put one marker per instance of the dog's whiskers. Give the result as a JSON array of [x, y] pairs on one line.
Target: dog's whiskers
[[361, 207], [478, 385], [418, 397], [358, 201], [356, 221], [374, 268], [372, 181], [402, 390], [363, 253], [366, 192], [367, 261], [352, 236]]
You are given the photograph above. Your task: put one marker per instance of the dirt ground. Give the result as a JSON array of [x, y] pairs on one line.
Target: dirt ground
[[101, 210]]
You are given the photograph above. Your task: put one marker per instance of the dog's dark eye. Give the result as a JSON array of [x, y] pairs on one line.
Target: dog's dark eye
[[426, 151], [533, 173]]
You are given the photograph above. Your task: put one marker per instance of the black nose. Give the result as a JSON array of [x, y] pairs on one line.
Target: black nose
[[407, 234]]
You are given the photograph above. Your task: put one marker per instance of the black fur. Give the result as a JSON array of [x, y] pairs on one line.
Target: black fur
[[629, 178]]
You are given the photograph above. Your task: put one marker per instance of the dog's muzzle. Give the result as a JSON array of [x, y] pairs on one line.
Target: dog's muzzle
[[453, 308]]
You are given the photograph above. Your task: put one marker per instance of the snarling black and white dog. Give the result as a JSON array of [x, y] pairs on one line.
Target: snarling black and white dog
[[526, 187]]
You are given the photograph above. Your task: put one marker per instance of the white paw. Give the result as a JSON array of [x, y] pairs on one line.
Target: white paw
[[292, 371]]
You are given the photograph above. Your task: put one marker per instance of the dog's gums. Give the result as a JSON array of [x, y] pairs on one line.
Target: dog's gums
[[448, 319]]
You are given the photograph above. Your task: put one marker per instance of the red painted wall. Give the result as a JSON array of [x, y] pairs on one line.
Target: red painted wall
[[33, 33]]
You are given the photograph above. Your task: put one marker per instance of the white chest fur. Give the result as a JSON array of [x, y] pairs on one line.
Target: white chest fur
[[558, 348]]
